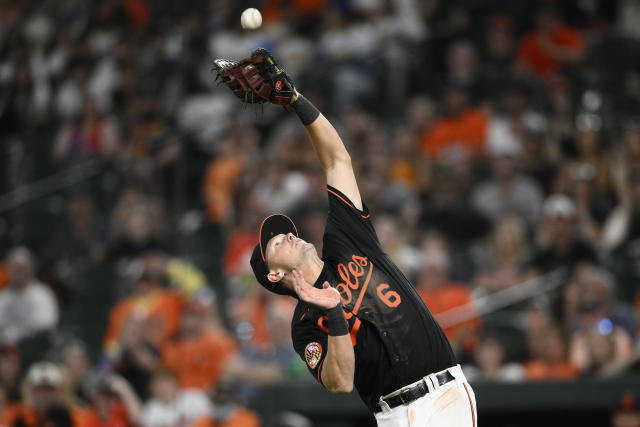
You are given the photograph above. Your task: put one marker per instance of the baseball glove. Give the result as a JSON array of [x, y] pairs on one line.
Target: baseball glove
[[256, 79]]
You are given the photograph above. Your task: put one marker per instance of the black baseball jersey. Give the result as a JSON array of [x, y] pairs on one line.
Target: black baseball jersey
[[396, 340]]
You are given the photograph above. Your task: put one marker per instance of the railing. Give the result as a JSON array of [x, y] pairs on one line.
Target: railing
[[59, 181], [490, 303]]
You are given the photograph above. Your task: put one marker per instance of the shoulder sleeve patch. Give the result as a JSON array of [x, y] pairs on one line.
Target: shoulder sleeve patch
[[313, 354]]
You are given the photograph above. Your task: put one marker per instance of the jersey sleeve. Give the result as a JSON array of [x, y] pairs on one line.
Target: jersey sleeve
[[310, 342], [348, 219]]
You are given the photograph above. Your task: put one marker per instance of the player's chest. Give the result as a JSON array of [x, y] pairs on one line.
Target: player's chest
[[363, 287]]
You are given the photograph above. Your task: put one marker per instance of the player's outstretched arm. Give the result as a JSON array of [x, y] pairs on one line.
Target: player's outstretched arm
[[258, 79], [330, 149], [339, 364]]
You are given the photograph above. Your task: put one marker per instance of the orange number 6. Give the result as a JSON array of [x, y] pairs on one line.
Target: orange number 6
[[390, 298]]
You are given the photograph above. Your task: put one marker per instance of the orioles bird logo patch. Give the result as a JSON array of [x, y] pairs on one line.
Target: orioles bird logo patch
[[312, 354]]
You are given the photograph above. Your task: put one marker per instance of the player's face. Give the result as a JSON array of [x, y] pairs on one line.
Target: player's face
[[286, 251]]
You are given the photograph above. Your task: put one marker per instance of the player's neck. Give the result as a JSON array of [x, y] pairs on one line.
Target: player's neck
[[312, 269]]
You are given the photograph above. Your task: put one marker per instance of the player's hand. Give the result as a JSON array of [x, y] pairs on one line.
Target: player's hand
[[324, 298]]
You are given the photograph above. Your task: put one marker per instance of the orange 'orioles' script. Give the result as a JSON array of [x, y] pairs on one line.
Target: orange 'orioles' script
[[351, 275]]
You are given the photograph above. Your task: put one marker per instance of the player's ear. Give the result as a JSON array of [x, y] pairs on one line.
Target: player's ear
[[275, 275]]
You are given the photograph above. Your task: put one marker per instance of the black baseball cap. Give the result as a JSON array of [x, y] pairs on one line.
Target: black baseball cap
[[271, 227]]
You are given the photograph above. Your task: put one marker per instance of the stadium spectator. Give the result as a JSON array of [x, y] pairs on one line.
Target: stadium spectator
[[248, 314], [281, 354], [199, 355], [8, 410], [553, 363], [403, 168], [137, 222], [157, 308], [462, 127], [445, 205], [385, 195], [421, 114], [497, 52], [602, 350], [397, 245], [540, 157], [221, 176], [77, 366], [179, 274], [81, 240], [508, 191], [551, 46], [280, 191], [4, 276], [262, 357], [490, 363], [171, 406], [621, 230], [135, 357], [228, 412], [440, 294], [463, 69], [10, 372], [629, 18], [590, 298], [239, 245], [90, 135], [114, 404], [558, 245], [27, 306], [500, 264], [44, 401], [275, 361]]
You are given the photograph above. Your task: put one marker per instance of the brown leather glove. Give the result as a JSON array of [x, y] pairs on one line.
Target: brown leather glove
[[256, 79]]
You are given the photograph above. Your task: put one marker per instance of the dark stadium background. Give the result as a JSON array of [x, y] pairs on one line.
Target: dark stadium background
[[497, 144]]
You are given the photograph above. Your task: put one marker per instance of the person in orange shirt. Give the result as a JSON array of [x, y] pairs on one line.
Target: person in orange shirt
[[463, 127], [160, 308], [305, 16], [441, 295], [115, 404], [198, 357], [249, 314], [220, 179], [553, 363], [8, 411], [550, 46], [4, 276]]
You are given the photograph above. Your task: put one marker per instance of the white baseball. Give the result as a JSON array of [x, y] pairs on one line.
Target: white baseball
[[251, 19]]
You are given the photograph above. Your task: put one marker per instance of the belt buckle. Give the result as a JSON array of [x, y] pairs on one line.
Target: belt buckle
[[404, 390]]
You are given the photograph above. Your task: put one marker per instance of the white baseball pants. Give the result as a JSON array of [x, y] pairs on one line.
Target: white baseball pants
[[450, 405]]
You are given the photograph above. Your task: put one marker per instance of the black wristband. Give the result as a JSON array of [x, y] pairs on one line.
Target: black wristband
[[305, 110], [337, 322]]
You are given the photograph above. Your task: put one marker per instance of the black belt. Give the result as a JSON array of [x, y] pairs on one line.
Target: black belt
[[410, 393]]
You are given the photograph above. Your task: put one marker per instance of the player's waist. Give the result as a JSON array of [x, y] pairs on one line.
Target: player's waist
[[420, 388]]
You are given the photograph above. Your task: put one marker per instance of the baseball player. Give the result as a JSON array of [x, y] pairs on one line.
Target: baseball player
[[359, 321]]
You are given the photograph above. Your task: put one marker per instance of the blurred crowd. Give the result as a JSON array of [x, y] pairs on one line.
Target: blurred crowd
[[497, 145]]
